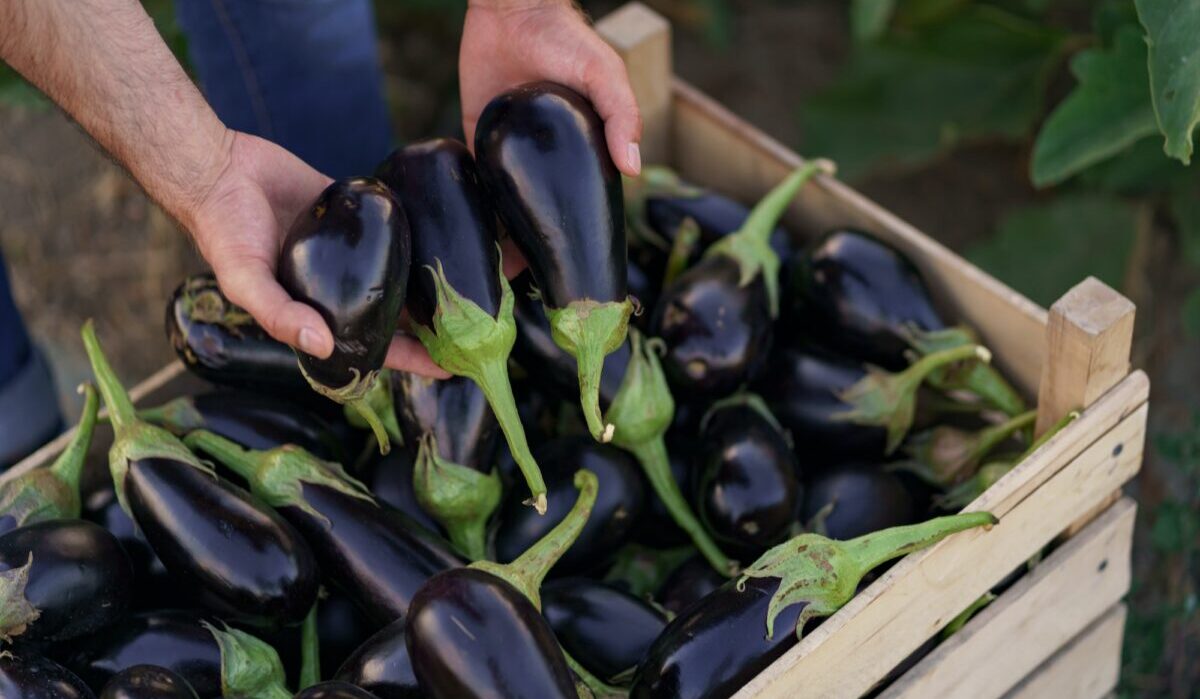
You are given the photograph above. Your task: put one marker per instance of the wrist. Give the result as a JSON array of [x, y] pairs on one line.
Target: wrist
[[189, 204], [518, 5]]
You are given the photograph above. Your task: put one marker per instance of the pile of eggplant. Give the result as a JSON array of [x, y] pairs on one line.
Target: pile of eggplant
[[669, 447]]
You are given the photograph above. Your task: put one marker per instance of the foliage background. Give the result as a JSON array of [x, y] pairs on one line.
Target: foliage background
[[1043, 139]]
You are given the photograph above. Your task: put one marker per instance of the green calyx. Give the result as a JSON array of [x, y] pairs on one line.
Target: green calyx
[[204, 303], [750, 246], [250, 669], [277, 476], [823, 574], [687, 237], [982, 380], [642, 570], [16, 612], [653, 181], [945, 455], [467, 341], [589, 331], [310, 648], [355, 396], [889, 400], [378, 400], [961, 620], [53, 493], [528, 570], [461, 499], [179, 416], [134, 439]]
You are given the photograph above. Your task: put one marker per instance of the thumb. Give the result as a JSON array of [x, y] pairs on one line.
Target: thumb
[[607, 85], [250, 283]]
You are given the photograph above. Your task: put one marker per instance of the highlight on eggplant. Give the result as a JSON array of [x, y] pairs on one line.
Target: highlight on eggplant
[[348, 257], [334, 689], [147, 682], [30, 676], [543, 157], [381, 665]]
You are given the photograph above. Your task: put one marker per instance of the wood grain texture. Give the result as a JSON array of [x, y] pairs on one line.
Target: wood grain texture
[[1087, 668], [642, 38]]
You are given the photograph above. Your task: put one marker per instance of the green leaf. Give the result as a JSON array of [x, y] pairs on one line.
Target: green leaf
[[1110, 16], [869, 18], [1044, 250], [1173, 33], [1107, 112], [1139, 169], [980, 73]]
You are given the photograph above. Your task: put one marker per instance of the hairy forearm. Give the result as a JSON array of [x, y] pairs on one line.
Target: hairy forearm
[[104, 63]]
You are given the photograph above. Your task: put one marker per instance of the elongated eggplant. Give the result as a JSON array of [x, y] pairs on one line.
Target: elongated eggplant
[[147, 682], [382, 666], [605, 629], [716, 318], [30, 676], [248, 563], [857, 498], [459, 300], [335, 690], [693, 580], [153, 586], [749, 491], [616, 513], [348, 257], [945, 455], [509, 649], [61, 579], [715, 647], [47, 494], [390, 479], [543, 158], [368, 551]]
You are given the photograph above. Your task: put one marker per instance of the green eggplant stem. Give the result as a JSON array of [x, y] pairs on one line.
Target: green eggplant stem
[[961, 620], [310, 650], [492, 379], [589, 330], [767, 212], [597, 686], [687, 236], [871, 550], [989, 437], [179, 416], [921, 368], [1054, 429], [68, 467], [363, 407], [120, 407], [652, 455], [232, 455], [589, 393]]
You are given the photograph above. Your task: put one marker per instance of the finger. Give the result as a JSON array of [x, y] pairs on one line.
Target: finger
[[251, 285], [607, 84], [511, 257], [408, 354]]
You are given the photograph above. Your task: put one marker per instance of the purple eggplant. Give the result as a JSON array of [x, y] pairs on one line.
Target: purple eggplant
[[390, 480], [381, 665], [147, 682], [693, 580], [543, 157], [29, 676], [153, 586], [335, 690], [857, 498]]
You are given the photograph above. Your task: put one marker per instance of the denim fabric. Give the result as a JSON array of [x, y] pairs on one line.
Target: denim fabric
[[302, 73], [14, 341]]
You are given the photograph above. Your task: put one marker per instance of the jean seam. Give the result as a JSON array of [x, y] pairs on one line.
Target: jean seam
[[249, 78]]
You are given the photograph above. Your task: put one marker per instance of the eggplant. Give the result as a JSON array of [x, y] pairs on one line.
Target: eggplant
[[61, 579], [147, 682], [865, 299], [716, 318], [390, 480], [658, 528], [348, 257], [714, 647], [459, 300], [606, 629], [47, 494], [693, 580], [544, 160], [247, 562], [341, 628], [368, 551], [153, 586], [509, 649], [857, 498], [945, 455], [749, 491], [335, 690], [616, 513], [29, 676], [381, 665]]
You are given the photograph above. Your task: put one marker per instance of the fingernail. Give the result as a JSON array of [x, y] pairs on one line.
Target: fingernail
[[310, 342], [635, 158]]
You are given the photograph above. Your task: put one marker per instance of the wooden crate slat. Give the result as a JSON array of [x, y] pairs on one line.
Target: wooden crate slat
[[1087, 668], [883, 624], [1030, 622]]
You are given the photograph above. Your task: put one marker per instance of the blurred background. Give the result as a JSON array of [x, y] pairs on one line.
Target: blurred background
[[945, 111]]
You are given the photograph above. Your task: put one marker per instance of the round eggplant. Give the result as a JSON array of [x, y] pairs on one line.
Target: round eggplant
[[60, 580], [390, 480], [147, 682], [543, 157], [27, 676], [348, 257], [694, 579], [856, 499], [335, 690], [381, 665]]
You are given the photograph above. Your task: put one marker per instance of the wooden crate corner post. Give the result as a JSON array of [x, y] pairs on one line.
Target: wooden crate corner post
[[642, 38]]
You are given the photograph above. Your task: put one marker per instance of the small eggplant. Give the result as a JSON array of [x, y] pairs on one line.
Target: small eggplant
[[335, 690], [509, 649], [749, 491], [460, 302], [47, 494], [366, 550], [605, 629], [390, 479], [61, 579], [716, 318], [945, 455], [855, 499], [616, 513], [147, 682], [381, 665], [348, 257], [28, 676], [247, 562], [695, 579], [715, 647], [543, 157]]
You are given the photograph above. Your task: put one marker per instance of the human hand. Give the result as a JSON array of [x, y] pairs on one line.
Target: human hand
[[239, 224]]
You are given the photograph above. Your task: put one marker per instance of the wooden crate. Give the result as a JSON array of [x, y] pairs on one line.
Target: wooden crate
[[1056, 632]]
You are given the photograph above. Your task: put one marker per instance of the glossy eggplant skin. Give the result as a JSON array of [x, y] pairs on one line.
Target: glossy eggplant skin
[[258, 421], [382, 666], [749, 491], [606, 629], [802, 387], [169, 639], [716, 646], [693, 580], [335, 690], [615, 516], [855, 295], [390, 480], [718, 333], [454, 411], [248, 563], [865, 498], [153, 586], [147, 682], [438, 185], [544, 159], [29, 676], [509, 651], [348, 257], [79, 581]]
